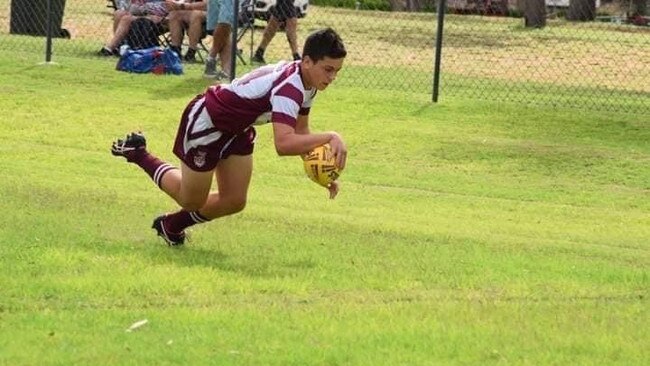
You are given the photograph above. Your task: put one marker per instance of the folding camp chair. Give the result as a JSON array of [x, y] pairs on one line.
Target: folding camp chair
[[246, 22]]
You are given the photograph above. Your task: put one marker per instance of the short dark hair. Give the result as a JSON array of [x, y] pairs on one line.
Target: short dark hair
[[324, 43]]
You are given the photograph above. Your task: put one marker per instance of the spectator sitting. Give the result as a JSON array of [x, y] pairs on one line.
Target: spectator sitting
[[153, 10], [190, 16]]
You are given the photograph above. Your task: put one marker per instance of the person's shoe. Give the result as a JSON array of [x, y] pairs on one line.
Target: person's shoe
[[210, 69], [218, 75], [190, 56], [258, 59], [222, 76], [133, 143], [106, 52], [170, 238], [211, 72]]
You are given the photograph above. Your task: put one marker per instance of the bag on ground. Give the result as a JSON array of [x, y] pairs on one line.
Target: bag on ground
[[157, 60]]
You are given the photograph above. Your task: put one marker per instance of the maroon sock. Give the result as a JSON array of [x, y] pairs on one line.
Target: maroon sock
[[153, 166], [179, 221]]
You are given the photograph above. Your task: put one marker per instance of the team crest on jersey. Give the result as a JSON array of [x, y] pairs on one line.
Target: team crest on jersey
[[199, 159]]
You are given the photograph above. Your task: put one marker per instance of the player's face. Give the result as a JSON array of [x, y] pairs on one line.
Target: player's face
[[322, 73]]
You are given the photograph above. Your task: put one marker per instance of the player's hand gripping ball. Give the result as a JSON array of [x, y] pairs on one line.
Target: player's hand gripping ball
[[320, 165]]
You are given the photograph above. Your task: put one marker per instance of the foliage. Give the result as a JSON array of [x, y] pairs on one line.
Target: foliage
[[355, 4]]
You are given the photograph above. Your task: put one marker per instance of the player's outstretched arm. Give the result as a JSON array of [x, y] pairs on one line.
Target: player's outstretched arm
[[288, 142], [302, 125]]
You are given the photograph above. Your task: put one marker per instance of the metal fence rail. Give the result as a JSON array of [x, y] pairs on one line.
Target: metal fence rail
[[602, 63]]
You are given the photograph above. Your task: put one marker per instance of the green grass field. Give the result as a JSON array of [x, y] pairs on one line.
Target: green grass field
[[465, 233]]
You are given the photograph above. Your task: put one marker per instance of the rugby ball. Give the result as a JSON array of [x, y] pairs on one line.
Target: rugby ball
[[320, 165]]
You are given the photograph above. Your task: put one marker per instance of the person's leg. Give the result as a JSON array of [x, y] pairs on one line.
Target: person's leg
[[270, 30], [117, 15], [212, 18], [218, 41], [220, 46], [227, 157], [233, 179], [106, 50], [197, 178], [195, 29], [221, 40], [290, 28], [120, 33], [213, 23], [191, 194], [190, 189], [233, 173], [225, 51], [187, 187], [175, 21]]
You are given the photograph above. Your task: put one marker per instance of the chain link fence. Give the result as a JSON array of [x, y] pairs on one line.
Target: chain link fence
[[582, 53], [588, 54]]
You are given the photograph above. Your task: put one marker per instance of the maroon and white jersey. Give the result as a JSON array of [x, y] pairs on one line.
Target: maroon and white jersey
[[272, 93]]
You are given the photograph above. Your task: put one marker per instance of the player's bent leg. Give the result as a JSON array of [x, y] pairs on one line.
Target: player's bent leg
[[233, 178], [134, 148], [191, 192], [190, 189], [171, 238]]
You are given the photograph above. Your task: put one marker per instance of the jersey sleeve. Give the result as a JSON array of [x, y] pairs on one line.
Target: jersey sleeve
[[306, 104], [286, 103]]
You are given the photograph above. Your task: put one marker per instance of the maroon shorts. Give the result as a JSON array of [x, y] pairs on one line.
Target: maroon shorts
[[200, 145]]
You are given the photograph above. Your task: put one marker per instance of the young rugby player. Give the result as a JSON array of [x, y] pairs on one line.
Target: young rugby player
[[216, 136]]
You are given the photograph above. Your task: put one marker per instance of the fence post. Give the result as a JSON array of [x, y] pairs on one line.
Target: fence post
[[436, 67], [48, 33], [233, 36]]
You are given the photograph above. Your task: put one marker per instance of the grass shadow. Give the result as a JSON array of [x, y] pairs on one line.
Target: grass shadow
[[190, 256]]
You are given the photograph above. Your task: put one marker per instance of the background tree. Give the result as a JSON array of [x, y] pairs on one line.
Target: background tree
[[581, 10], [639, 7], [534, 13]]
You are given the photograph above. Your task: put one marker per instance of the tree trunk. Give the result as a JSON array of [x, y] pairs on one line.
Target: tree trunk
[[397, 5], [413, 5], [581, 10], [639, 7], [534, 13]]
